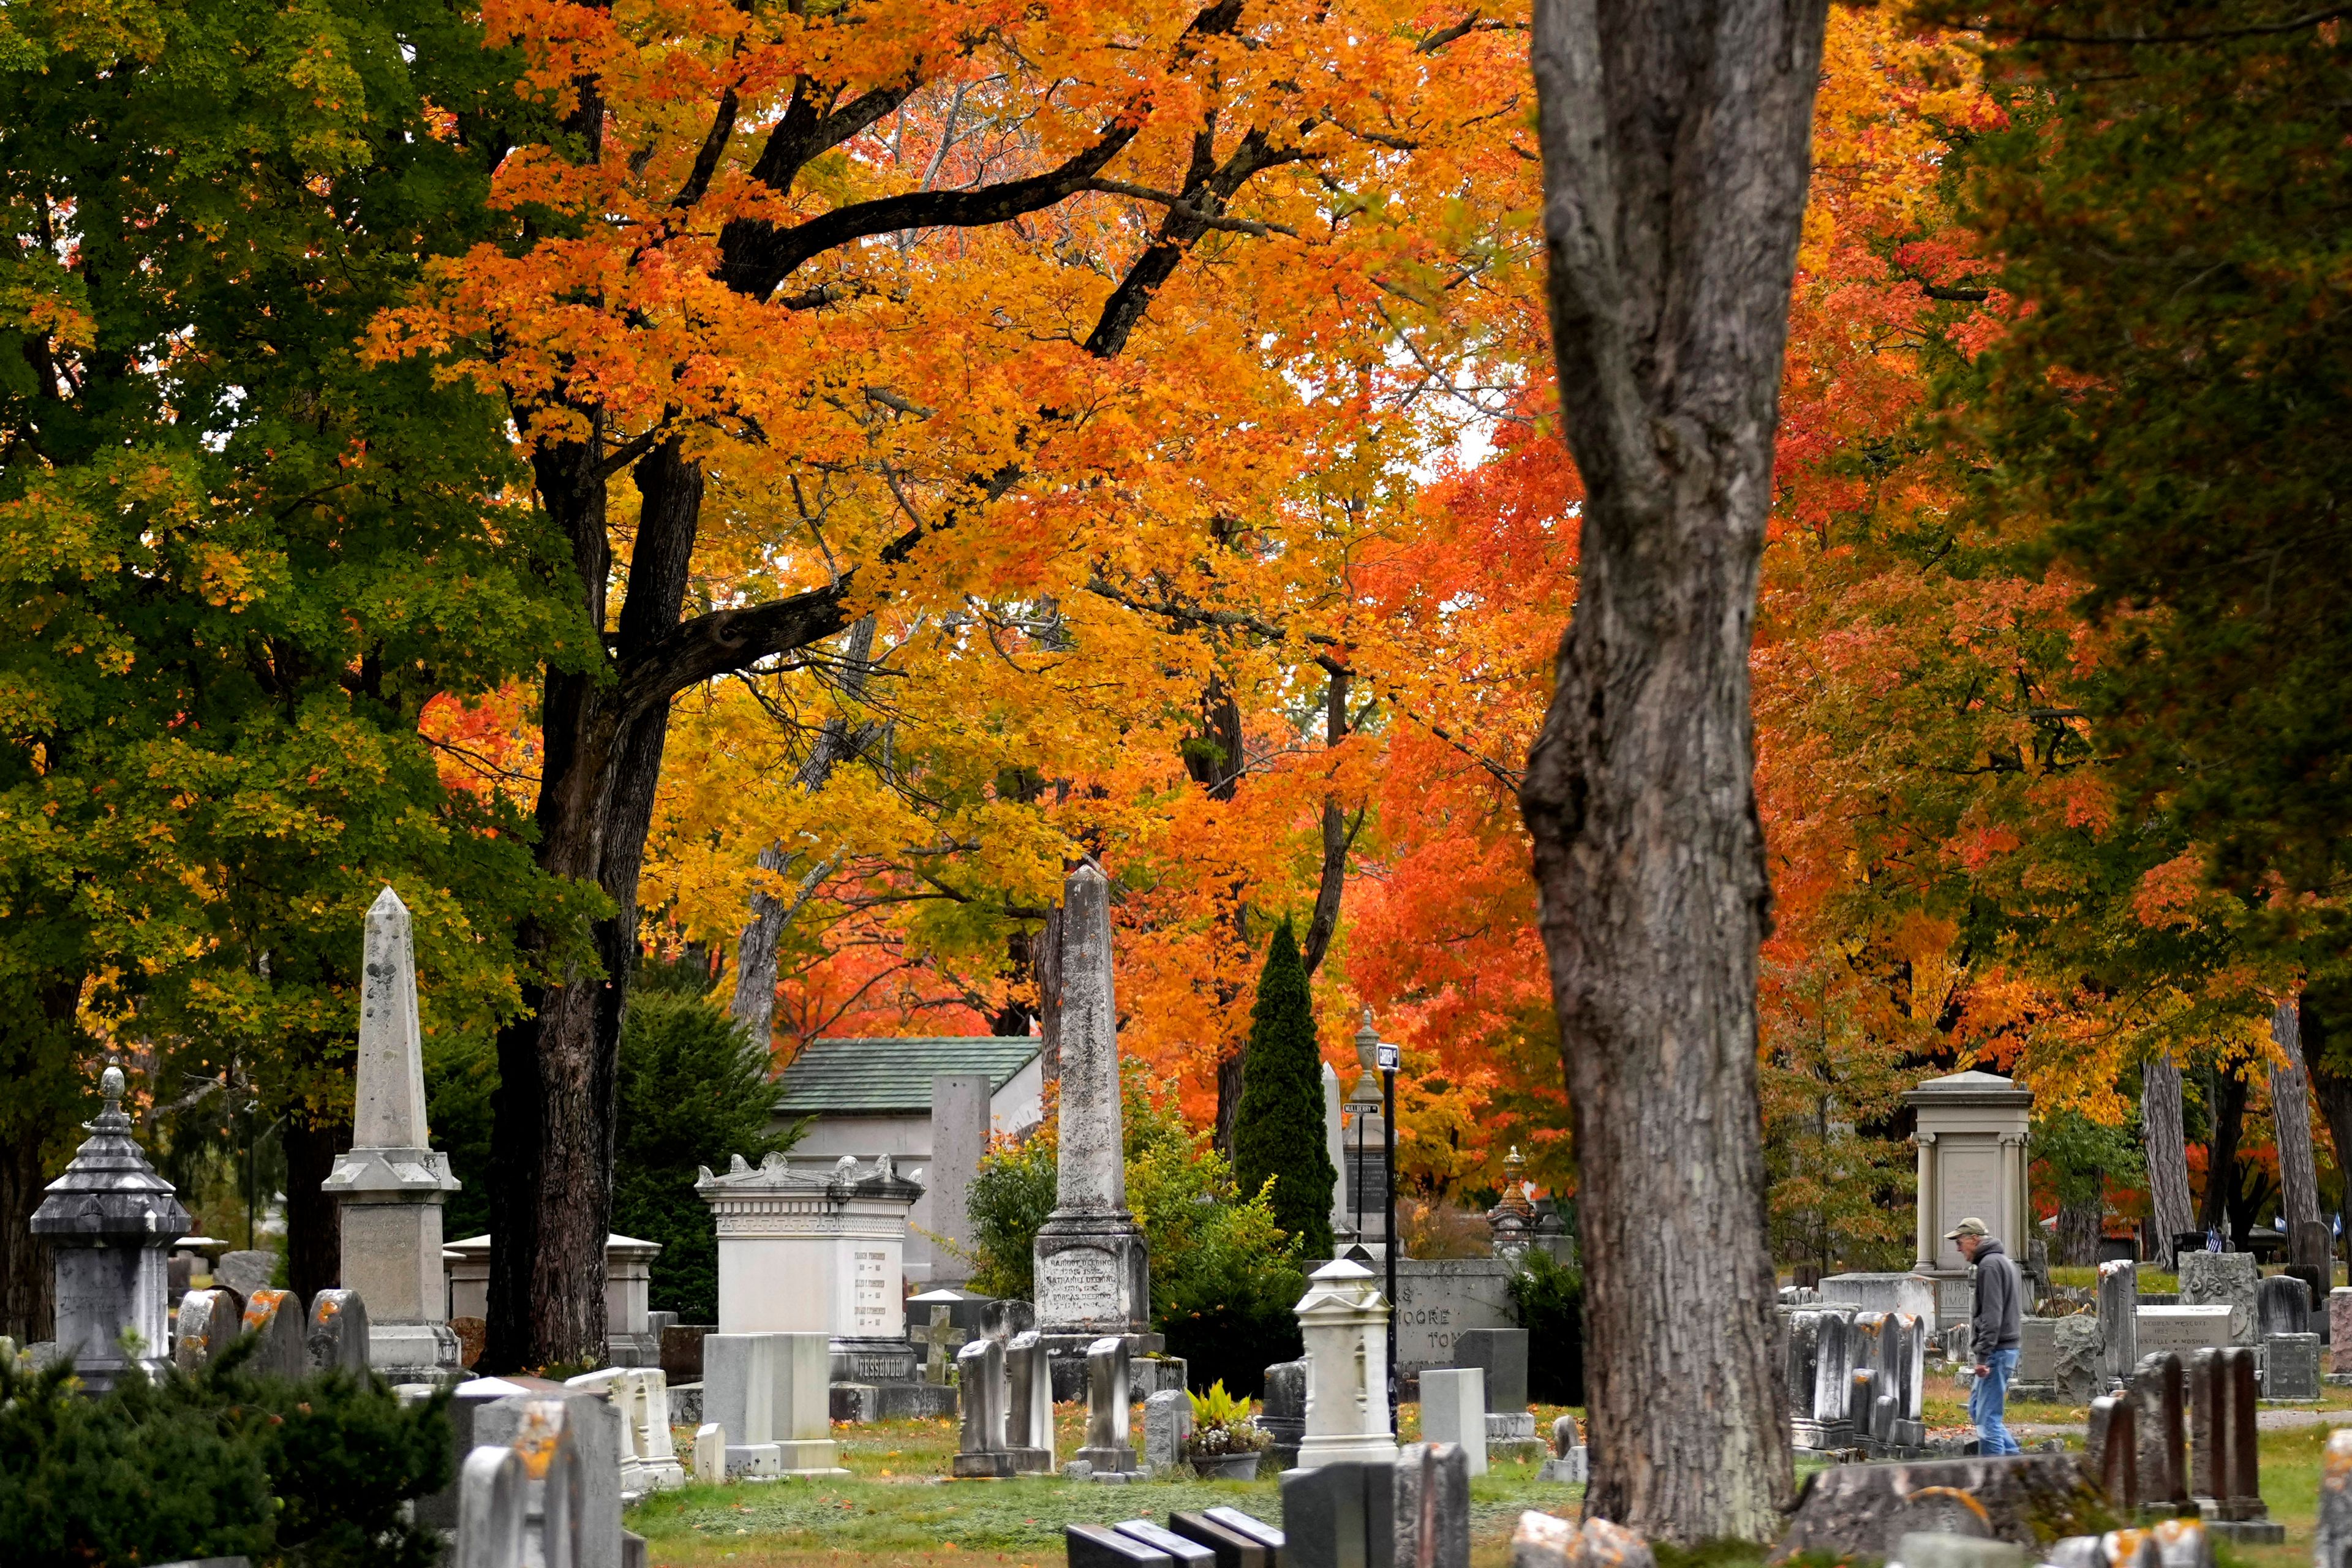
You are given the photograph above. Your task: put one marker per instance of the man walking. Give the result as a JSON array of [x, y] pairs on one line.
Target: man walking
[[1995, 1332]]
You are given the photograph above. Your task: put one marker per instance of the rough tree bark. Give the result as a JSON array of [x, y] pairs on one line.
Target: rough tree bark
[[2325, 1057], [1676, 145], [2162, 1134], [314, 1222], [2080, 1221], [2229, 1110], [2290, 1110]]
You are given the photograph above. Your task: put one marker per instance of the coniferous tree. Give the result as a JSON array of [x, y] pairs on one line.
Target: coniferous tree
[[1278, 1131]]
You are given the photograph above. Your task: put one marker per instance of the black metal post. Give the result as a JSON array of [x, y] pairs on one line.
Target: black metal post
[[1388, 1225]]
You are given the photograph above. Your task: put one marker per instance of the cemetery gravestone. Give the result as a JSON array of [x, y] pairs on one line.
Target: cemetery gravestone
[[1502, 1356], [1441, 1299], [648, 1453], [2119, 1318], [2332, 1533], [2314, 1285], [572, 1444], [1569, 1463], [491, 1514], [709, 1453], [208, 1324], [2079, 1361], [2282, 1306], [2159, 1385], [1430, 1515], [1029, 1404], [1093, 1268], [1107, 1449], [2111, 1451], [979, 1388], [941, 1342], [2290, 1367], [245, 1271], [274, 1318], [110, 1221], [1833, 1382], [959, 1129], [1282, 1412], [2183, 1328], [1176, 1548], [1339, 1515], [337, 1339], [1099, 1546], [2339, 1330], [1344, 1323], [392, 1184], [1970, 1133], [1334, 1146], [2225, 1279], [769, 1391], [1166, 1423], [1453, 1411]]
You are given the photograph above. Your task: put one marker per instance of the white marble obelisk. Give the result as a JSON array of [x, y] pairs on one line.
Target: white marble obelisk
[[392, 1184]]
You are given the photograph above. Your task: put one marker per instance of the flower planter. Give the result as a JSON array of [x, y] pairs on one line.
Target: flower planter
[[1226, 1467]]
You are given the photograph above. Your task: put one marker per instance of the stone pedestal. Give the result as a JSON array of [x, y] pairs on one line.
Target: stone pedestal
[[1343, 1319], [1971, 1137], [392, 1184], [110, 1221]]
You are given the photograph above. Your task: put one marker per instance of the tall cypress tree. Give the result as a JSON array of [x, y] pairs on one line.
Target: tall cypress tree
[[1279, 1130]]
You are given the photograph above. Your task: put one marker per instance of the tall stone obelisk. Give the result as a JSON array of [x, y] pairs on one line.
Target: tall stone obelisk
[[391, 1184], [1094, 1270]]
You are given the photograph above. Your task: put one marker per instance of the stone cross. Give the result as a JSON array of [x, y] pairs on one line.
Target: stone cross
[[392, 1184], [938, 1341]]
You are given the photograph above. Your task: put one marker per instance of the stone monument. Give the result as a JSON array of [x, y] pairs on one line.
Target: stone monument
[[1093, 1268], [1345, 1322], [110, 1221], [1335, 1123], [1972, 1164], [804, 1253], [393, 1183], [960, 1128]]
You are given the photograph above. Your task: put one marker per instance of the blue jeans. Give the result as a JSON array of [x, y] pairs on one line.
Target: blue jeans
[[1986, 1401]]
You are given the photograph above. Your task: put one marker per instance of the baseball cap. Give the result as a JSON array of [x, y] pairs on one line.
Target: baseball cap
[[1967, 1227]]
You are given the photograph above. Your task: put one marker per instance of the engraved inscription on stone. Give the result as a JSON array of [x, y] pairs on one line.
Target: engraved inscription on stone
[[1079, 1284], [1971, 1183], [870, 1305]]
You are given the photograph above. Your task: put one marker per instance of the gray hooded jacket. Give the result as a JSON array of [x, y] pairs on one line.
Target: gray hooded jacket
[[1996, 1324]]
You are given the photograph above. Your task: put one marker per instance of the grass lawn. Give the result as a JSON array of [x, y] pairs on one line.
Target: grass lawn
[[893, 1506]]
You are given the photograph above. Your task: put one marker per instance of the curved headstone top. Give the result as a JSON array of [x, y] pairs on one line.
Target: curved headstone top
[[109, 1189]]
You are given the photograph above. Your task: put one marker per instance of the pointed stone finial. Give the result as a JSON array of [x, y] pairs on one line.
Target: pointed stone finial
[[109, 1087], [390, 1113]]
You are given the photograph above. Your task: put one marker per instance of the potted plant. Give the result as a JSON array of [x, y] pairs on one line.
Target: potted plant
[[1225, 1443]]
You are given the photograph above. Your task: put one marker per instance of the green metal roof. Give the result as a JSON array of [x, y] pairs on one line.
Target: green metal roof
[[892, 1075]]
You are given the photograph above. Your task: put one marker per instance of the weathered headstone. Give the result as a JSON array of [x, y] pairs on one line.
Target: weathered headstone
[[1093, 1267], [2079, 1359], [2282, 1306], [2162, 1392], [1453, 1411], [572, 1445], [980, 1394], [337, 1332], [1282, 1413], [393, 1183], [274, 1318], [769, 1391], [648, 1453], [208, 1324], [1866, 1509], [2290, 1367], [1166, 1423], [1344, 1323], [1230, 1547], [1502, 1356], [1028, 1404], [1569, 1462], [2119, 1318], [490, 1511], [1862, 1405], [2183, 1328], [1108, 1448], [246, 1270], [2314, 1285], [1834, 1381], [2225, 1279], [1430, 1516], [1881, 1293], [110, 1221], [1339, 1515], [959, 1129], [709, 1453], [2111, 1451], [1921, 1549], [2222, 1458]]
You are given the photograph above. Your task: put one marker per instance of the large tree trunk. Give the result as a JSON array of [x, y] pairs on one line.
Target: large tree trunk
[[2080, 1223], [2291, 1112], [314, 1222], [2328, 1061], [28, 1310], [2229, 1111], [1676, 147], [2168, 1153]]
